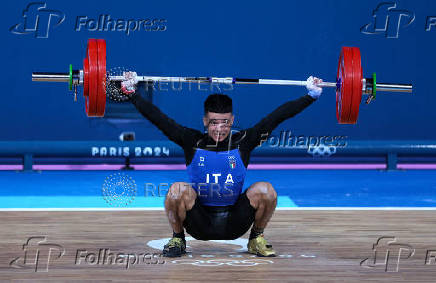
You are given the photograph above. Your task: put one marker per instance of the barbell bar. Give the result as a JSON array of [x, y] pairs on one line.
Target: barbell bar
[[350, 84]]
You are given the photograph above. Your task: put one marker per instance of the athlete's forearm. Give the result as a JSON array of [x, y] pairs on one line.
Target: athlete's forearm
[[261, 131], [283, 112], [168, 126]]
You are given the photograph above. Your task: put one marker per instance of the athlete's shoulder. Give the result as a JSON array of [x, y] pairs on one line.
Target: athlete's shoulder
[[190, 136]]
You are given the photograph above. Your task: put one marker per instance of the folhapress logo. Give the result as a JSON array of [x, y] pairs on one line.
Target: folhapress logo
[[388, 20], [38, 254], [388, 253], [37, 19]]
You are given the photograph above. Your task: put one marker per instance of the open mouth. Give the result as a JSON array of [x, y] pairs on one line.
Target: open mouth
[[219, 135]]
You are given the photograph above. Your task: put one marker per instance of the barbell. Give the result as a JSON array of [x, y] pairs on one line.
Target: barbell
[[350, 84]]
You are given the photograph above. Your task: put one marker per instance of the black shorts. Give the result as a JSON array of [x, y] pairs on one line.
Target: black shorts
[[220, 222]]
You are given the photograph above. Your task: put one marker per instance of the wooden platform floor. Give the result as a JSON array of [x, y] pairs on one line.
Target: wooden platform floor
[[312, 246]]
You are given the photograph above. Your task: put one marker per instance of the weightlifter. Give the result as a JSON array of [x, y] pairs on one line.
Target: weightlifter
[[214, 206]]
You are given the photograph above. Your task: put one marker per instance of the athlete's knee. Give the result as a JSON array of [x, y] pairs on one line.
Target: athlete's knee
[[264, 191], [267, 191], [180, 192]]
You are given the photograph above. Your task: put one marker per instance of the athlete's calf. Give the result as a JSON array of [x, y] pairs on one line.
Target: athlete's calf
[[180, 198]]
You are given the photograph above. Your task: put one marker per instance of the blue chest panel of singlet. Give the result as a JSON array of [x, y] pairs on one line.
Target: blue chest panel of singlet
[[217, 177]]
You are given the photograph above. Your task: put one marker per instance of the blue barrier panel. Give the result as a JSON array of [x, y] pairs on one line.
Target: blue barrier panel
[[390, 150]]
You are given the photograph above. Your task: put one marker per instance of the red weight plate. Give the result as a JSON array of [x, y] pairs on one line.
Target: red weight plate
[[340, 89], [93, 78], [357, 85], [344, 92], [349, 79], [85, 77], [101, 81], [86, 81]]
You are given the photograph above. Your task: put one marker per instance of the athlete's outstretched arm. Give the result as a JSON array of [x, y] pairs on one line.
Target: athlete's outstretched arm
[[174, 131], [262, 129], [281, 113]]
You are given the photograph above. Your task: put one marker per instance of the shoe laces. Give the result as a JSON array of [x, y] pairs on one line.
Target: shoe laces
[[175, 242], [263, 242]]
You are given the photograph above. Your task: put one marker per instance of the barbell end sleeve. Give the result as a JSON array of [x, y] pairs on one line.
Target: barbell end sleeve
[[386, 87], [56, 77], [50, 77], [391, 87]]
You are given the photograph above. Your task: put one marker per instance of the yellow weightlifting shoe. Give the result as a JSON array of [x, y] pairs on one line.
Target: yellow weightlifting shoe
[[260, 247], [176, 247]]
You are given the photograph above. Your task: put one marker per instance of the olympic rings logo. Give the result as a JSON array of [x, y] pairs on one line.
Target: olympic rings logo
[[321, 150], [220, 262]]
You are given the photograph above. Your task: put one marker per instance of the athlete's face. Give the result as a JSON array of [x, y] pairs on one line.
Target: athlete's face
[[218, 125]]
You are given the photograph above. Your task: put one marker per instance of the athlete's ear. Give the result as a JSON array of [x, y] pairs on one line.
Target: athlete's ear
[[232, 119], [205, 120]]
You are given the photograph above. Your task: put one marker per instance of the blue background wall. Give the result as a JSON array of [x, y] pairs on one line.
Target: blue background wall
[[267, 39]]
